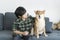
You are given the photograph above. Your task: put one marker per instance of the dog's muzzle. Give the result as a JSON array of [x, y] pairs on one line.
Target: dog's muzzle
[[39, 16]]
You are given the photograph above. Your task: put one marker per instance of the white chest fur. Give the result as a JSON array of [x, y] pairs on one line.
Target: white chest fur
[[41, 24]]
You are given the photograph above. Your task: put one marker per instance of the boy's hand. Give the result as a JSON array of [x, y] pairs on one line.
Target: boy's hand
[[25, 33]]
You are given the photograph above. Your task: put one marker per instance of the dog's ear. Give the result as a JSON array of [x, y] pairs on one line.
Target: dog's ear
[[36, 12], [43, 10]]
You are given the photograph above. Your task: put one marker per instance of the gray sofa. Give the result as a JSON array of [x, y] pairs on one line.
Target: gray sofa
[[6, 22]]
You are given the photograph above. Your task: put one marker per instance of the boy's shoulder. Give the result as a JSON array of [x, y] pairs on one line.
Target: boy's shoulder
[[31, 17], [17, 19]]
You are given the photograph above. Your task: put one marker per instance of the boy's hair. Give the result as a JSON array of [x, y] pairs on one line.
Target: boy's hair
[[20, 11]]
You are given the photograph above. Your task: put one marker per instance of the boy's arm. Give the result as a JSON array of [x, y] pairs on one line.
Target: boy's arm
[[18, 31], [33, 18], [15, 29]]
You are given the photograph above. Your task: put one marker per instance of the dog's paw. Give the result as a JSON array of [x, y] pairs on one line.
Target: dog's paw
[[32, 34], [37, 37], [46, 35]]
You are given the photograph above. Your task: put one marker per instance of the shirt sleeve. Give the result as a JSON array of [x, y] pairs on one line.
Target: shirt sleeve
[[33, 19], [14, 26]]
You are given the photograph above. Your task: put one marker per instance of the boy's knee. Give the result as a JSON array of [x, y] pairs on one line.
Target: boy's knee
[[17, 37]]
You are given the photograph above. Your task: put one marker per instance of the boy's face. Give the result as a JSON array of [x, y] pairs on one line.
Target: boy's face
[[25, 16]]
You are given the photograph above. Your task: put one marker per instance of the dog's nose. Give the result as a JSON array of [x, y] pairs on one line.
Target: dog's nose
[[39, 16]]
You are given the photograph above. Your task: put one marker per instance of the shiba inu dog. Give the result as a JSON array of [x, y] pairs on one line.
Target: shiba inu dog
[[39, 25]]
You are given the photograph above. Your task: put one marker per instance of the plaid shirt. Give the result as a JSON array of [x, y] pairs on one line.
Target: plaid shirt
[[26, 25]]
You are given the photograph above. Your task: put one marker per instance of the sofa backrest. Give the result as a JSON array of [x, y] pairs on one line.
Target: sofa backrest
[[1, 21], [9, 18]]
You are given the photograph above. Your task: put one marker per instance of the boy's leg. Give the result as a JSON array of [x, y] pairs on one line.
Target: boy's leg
[[26, 37], [18, 37]]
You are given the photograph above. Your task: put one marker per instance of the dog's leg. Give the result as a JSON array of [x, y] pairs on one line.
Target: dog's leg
[[37, 33], [32, 31], [45, 32]]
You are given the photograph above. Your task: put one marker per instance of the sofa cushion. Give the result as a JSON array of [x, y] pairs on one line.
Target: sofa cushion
[[47, 19], [1, 21], [5, 35], [9, 18], [55, 35], [48, 27]]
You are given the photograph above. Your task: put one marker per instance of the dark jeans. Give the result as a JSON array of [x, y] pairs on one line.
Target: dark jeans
[[18, 37]]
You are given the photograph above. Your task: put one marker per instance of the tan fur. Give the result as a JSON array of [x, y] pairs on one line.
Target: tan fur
[[56, 26], [39, 26]]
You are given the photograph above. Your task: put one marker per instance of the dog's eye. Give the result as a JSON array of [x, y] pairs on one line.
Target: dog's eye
[[39, 16]]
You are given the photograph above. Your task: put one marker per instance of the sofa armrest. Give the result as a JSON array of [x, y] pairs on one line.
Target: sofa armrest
[[48, 27]]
